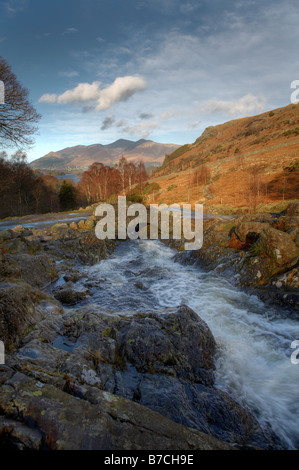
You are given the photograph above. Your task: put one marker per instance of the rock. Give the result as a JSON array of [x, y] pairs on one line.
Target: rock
[[17, 436], [17, 311], [175, 343], [61, 226], [37, 270], [140, 285], [90, 223], [77, 247], [81, 224], [73, 226], [5, 235], [252, 250], [53, 419], [289, 279], [292, 210], [68, 296], [245, 228], [279, 246], [163, 360], [18, 229]]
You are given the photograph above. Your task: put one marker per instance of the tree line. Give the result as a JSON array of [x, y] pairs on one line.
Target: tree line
[[24, 191], [100, 182]]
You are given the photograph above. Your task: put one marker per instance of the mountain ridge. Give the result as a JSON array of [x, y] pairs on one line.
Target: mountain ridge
[[80, 157]]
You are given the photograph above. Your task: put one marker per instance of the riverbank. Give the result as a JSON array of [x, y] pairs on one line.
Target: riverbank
[[258, 252]]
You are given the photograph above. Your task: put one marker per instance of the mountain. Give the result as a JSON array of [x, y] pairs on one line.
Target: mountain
[[242, 163], [80, 157]]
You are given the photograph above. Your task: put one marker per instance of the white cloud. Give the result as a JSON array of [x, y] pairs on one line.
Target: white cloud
[[248, 104], [167, 115], [82, 93], [141, 130], [48, 98], [71, 31], [120, 90], [14, 6]]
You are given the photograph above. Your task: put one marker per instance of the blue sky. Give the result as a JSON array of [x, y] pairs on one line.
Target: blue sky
[[101, 70]]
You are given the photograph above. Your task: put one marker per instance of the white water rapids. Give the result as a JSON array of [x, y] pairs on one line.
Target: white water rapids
[[253, 363]]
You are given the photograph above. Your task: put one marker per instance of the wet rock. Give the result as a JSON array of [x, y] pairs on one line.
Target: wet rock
[[252, 250], [72, 276], [140, 285], [17, 436], [37, 270], [42, 416], [80, 248], [163, 360], [17, 311], [68, 296], [177, 343]]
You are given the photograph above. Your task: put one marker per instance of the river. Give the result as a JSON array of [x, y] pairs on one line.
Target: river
[[253, 359]]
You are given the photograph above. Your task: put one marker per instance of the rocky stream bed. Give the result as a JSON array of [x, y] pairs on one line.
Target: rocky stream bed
[[133, 345]]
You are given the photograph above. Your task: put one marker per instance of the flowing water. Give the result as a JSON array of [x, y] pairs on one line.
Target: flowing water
[[253, 363]]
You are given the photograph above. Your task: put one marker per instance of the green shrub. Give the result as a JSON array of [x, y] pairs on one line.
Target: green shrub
[[293, 166], [135, 197], [173, 186]]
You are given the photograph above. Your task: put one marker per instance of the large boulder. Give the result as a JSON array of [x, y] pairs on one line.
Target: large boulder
[[279, 246], [163, 360], [292, 210], [90, 223], [37, 270], [21, 311], [44, 417], [68, 296], [245, 228]]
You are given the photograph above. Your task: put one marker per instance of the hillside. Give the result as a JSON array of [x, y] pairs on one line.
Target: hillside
[[81, 157], [242, 163]]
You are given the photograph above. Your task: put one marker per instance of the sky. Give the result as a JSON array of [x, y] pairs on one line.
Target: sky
[[102, 70]]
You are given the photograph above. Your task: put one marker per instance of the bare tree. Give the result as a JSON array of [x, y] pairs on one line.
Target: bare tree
[[17, 116], [201, 175]]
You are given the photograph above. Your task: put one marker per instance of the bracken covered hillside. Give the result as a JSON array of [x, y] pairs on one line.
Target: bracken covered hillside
[[242, 163]]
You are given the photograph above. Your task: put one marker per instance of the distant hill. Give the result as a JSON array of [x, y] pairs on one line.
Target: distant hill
[[80, 157], [242, 163]]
